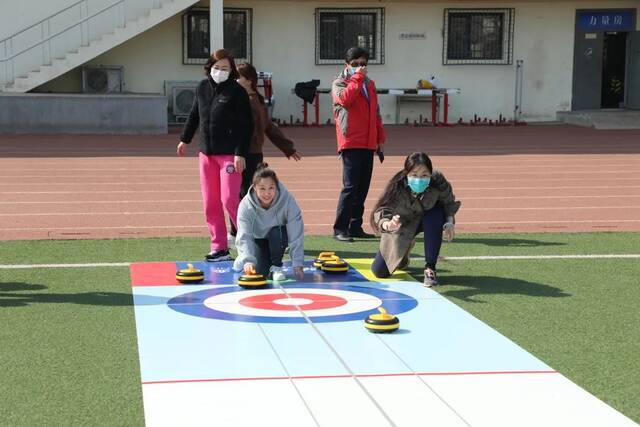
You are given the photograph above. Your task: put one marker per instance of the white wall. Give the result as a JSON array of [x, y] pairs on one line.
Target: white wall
[[57, 27], [17, 15], [283, 43]]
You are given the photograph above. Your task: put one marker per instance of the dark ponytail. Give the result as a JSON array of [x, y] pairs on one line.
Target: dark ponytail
[[250, 73], [264, 172]]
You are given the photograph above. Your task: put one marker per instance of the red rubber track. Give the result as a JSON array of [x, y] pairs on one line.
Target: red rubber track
[[522, 179]]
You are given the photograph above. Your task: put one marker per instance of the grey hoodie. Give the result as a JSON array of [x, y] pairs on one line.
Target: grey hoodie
[[254, 222]]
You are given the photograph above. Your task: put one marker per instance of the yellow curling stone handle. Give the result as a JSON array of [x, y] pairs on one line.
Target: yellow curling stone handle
[[383, 315], [326, 255]]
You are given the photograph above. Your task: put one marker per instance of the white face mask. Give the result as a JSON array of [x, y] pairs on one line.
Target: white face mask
[[219, 76]]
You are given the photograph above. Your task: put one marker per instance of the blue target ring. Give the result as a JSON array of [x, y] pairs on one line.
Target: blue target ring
[[194, 304]]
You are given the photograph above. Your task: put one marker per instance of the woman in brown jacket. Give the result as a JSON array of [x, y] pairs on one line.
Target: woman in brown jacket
[[262, 126], [416, 199]]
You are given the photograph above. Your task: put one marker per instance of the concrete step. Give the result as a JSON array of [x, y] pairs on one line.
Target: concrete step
[[602, 119]]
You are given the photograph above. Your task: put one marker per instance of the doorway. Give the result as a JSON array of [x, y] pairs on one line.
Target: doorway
[[614, 59], [606, 60]]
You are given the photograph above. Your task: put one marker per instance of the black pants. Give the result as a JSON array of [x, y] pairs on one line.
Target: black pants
[[252, 161], [432, 222], [357, 167], [271, 249], [251, 164]]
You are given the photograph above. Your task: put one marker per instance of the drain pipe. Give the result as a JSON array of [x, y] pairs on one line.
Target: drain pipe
[[517, 109]]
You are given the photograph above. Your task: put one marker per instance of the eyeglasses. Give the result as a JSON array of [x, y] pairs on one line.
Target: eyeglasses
[[358, 64]]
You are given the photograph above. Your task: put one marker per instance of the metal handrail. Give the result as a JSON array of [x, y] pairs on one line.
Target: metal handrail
[[41, 21], [64, 30]]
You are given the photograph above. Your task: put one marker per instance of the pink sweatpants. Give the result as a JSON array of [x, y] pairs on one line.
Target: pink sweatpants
[[220, 185]]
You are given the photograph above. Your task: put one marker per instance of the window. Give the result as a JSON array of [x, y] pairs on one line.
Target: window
[[478, 36], [195, 32], [237, 33], [339, 29]]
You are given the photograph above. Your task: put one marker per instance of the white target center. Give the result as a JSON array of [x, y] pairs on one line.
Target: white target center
[[355, 302], [292, 301]]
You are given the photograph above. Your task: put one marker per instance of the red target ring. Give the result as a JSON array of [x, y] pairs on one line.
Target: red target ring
[[293, 301]]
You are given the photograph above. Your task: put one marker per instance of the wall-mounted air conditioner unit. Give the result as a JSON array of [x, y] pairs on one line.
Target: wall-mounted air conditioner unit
[[180, 95], [102, 79], [183, 97]]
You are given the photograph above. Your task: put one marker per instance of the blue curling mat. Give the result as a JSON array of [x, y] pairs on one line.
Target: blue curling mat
[[314, 327], [297, 354]]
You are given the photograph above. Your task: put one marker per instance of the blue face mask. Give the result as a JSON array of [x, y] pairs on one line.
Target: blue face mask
[[418, 185]]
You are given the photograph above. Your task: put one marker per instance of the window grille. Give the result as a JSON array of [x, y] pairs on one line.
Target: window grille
[[339, 29], [478, 36], [196, 38]]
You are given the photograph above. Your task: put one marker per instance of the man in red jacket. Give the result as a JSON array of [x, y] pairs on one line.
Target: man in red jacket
[[360, 134]]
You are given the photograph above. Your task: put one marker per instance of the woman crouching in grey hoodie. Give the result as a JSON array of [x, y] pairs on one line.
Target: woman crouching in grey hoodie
[[269, 220]]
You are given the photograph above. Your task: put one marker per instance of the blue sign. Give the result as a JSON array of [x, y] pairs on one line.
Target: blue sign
[[608, 20]]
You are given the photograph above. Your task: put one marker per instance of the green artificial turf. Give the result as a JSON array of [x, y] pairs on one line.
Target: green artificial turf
[[68, 352], [68, 348]]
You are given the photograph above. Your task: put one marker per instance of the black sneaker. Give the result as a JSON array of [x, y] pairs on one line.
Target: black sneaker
[[360, 234], [216, 256], [341, 237]]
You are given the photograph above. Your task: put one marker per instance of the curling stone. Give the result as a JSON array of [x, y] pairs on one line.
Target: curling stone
[[322, 257], [252, 281], [189, 275], [382, 323], [335, 265]]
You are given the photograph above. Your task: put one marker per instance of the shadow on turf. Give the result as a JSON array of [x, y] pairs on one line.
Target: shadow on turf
[[489, 285], [13, 294]]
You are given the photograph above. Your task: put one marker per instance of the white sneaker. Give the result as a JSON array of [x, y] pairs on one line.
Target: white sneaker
[[277, 275]]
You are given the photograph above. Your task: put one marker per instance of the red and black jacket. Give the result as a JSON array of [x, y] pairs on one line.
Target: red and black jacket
[[357, 117]]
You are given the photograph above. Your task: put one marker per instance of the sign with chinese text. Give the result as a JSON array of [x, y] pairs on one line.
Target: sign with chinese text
[[606, 20]]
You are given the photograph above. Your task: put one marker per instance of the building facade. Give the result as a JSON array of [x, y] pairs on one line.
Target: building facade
[[574, 54]]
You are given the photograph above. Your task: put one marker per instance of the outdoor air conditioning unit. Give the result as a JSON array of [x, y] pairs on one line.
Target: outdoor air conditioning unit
[[102, 79], [183, 97], [180, 95]]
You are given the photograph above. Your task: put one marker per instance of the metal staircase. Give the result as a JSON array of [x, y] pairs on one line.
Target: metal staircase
[[75, 35]]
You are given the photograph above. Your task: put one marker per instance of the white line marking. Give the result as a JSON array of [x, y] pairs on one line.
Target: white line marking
[[286, 371], [538, 257], [123, 227], [443, 165], [113, 202], [104, 192], [202, 227], [453, 258], [594, 221], [340, 359], [617, 196], [561, 208], [367, 210], [100, 213], [88, 265], [305, 173], [435, 151], [284, 177], [331, 189], [300, 199], [112, 183]]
